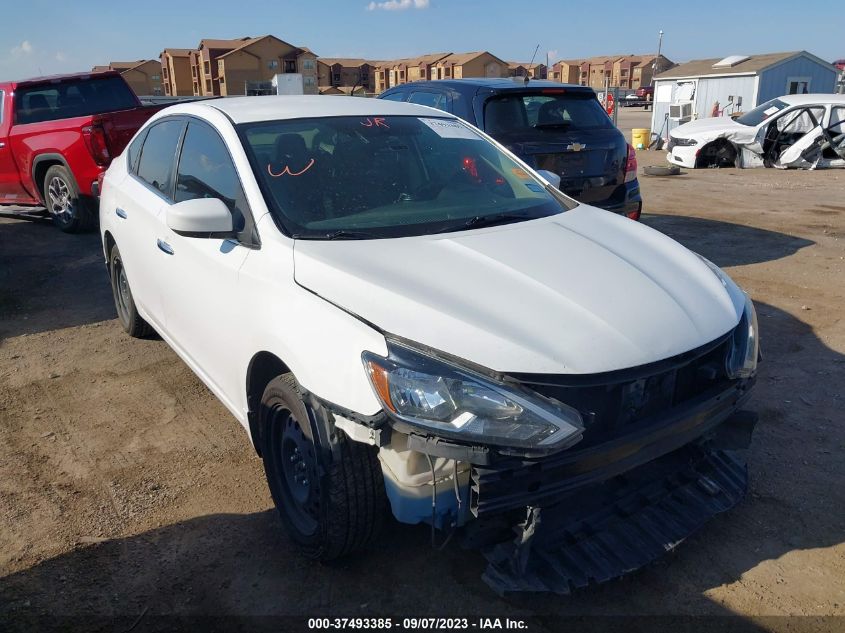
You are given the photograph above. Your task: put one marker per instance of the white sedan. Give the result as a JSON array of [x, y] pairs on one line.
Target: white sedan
[[794, 131], [394, 307]]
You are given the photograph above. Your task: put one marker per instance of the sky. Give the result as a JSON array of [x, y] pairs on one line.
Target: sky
[[79, 34]]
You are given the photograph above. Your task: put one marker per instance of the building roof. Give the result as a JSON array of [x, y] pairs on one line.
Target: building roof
[[178, 52], [230, 44], [462, 58], [431, 58], [754, 64], [524, 64], [100, 69], [273, 107], [252, 40]]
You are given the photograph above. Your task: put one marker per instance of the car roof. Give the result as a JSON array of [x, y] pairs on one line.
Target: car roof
[[812, 98], [505, 84], [59, 78], [276, 107]]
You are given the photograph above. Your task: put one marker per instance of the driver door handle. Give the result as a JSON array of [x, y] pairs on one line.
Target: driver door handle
[[164, 247]]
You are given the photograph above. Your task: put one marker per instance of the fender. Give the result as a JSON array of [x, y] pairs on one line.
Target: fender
[[45, 157]]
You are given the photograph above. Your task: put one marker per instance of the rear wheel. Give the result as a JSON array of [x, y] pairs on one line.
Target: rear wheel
[[330, 506], [132, 322], [70, 211]]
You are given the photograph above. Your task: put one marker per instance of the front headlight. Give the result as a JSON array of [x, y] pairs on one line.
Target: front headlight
[[456, 402], [684, 142], [742, 358]]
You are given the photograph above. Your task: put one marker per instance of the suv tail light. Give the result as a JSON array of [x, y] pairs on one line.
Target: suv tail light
[[631, 165], [95, 139]]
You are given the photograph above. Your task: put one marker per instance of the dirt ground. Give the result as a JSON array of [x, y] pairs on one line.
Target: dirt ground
[[126, 489]]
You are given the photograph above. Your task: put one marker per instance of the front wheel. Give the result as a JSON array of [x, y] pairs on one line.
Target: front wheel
[[69, 210], [330, 506]]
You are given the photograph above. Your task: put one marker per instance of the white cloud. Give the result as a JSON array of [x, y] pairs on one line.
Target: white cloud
[[398, 5], [61, 57], [24, 48]]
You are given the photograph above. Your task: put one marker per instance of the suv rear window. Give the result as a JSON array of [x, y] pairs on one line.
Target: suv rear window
[[536, 113], [67, 99]]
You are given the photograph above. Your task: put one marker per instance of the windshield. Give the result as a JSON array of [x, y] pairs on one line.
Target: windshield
[[371, 177], [536, 114], [67, 99], [761, 112]]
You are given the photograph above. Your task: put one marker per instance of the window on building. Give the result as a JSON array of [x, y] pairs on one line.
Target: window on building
[[222, 79], [156, 77], [155, 166], [336, 78], [208, 85], [273, 64], [798, 85], [206, 171], [308, 81], [207, 67], [307, 64], [448, 72], [290, 66]]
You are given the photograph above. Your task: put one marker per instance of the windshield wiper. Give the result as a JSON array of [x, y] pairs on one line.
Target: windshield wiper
[[340, 234], [480, 221]]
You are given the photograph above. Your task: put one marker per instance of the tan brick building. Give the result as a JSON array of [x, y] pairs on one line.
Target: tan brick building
[[462, 65], [524, 69], [400, 71], [342, 72], [259, 59], [143, 76], [176, 71], [624, 71]]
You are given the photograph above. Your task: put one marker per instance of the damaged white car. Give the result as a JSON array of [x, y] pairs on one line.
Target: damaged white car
[[790, 132], [405, 316]]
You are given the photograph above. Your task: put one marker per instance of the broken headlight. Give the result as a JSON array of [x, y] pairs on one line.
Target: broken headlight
[[742, 357], [456, 402], [684, 142]]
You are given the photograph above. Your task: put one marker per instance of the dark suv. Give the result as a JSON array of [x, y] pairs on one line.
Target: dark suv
[[558, 127]]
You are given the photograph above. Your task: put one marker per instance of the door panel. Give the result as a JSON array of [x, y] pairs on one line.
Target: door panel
[[11, 188]]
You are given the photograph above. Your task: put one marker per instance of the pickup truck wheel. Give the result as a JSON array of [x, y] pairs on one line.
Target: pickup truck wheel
[[330, 507], [127, 313], [70, 212]]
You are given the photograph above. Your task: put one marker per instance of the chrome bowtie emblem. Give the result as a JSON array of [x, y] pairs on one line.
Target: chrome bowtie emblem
[[575, 147]]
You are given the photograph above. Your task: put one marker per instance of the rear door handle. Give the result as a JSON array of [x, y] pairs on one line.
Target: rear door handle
[[120, 213], [164, 247]]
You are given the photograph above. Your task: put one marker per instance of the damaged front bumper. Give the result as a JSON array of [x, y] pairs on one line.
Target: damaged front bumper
[[604, 531]]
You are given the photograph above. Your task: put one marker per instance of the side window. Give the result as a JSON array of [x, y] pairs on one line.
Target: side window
[[158, 155], [395, 96], [133, 153], [430, 99], [206, 171]]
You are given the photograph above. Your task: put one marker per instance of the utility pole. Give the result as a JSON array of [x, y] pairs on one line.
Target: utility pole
[[656, 66]]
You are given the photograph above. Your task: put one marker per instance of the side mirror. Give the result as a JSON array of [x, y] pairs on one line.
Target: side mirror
[[554, 179], [199, 217]]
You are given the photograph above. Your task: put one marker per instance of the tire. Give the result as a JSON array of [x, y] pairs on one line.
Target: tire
[[127, 313], [330, 506], [660, 170], [718, 154], [70, 212]]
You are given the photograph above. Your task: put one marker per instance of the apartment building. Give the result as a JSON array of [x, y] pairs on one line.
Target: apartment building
[[533, 71], [257, 60], [343, 72], [462, 65], [143, 76], [400, 71], [628, 72], [566, 71], [176, 71]]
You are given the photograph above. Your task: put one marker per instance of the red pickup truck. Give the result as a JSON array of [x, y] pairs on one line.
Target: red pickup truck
[[58, 134]]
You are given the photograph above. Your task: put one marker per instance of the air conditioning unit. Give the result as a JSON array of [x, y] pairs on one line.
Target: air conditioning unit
[[681, 111]]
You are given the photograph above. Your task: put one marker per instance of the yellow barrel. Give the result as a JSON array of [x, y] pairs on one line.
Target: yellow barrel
[[640, 137]]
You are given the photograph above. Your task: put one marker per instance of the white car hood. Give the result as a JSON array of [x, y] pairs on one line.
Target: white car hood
[[715, 127], [582, 292]]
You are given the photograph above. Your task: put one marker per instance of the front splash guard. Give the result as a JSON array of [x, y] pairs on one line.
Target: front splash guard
[[606, 531]]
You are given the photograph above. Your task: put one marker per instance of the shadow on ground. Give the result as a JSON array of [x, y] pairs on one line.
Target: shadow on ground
[[233, 564], [727, 244], [49, 279]]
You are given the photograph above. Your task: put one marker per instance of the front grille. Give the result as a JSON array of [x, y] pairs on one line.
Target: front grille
[[614, 402]]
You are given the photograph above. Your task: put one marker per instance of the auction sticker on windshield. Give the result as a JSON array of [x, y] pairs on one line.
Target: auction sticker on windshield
[[446, 128]]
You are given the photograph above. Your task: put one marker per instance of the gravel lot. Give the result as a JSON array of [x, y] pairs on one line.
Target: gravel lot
[[126, 488]]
